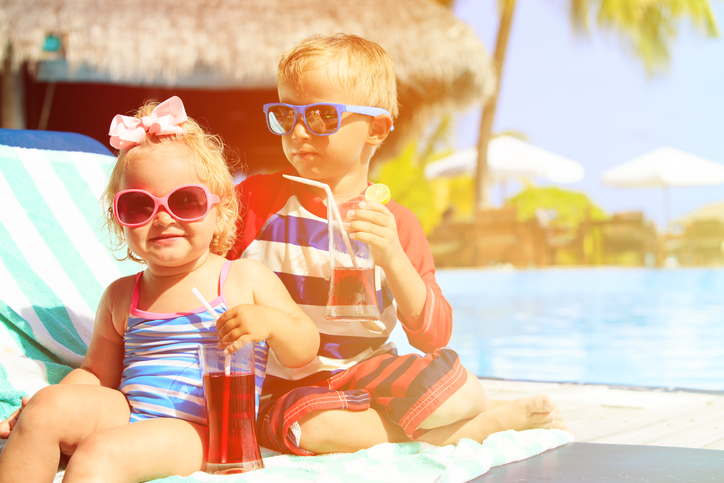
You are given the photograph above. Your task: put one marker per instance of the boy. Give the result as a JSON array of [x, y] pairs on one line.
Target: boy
[[357, 392]]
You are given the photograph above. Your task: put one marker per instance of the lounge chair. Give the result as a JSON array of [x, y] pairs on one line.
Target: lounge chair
[[700, 245], [54, 266], [628, 238]]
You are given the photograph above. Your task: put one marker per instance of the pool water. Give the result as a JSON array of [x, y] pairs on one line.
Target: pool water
[[622, 326]]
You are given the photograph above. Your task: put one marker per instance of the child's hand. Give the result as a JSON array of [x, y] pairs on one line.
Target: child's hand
[[6, 427], [375, 225], [243, 324]]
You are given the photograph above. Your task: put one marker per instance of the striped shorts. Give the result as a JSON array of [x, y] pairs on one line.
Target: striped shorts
[[404, 389]]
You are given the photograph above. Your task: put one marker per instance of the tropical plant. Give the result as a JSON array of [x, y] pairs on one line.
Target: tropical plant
[[405, 176], [562, 208], [645, 27]]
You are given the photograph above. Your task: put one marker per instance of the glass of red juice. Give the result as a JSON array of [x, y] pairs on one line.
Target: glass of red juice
[[352, 291], [230, 408]]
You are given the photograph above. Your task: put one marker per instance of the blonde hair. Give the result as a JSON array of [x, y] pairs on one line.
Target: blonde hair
[[361, 67], [212, 169]]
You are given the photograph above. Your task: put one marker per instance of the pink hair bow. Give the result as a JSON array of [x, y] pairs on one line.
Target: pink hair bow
[[164, 120]]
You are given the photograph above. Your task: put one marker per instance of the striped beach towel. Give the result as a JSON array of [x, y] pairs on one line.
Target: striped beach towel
[[395, 463], [54, 266]]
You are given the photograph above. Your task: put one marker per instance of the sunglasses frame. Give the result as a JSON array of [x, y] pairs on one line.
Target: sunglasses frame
[[340, 108], [211, 200]]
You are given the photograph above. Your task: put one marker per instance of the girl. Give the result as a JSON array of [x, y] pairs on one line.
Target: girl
[[134, 410]]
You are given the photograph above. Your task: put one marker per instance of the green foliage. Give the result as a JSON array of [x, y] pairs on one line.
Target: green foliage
[[567, 208], [406, 180], [405, 176], [646, 28], [455, 192]]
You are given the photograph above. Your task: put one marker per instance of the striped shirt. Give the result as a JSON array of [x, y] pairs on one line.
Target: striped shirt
[[161, 369], [285, 227]]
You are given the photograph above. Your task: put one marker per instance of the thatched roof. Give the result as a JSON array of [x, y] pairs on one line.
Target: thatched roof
[[439, 62]]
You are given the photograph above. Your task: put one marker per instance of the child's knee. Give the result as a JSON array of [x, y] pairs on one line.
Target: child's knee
[[333, 431], [94, 455], [46, 409], [473, 386], [465, 403]]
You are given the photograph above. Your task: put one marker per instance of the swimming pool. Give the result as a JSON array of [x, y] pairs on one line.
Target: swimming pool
[[623, 326]]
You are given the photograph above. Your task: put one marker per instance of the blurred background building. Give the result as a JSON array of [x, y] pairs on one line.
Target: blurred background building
[[73, 65]]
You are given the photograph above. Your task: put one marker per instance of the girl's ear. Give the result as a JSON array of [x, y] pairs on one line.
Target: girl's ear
[[218, 226], [380, 128]]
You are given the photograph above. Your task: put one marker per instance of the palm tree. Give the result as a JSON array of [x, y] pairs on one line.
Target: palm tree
[[645, 27]]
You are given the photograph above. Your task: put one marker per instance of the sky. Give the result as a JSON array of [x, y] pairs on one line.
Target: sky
[[587, 99]]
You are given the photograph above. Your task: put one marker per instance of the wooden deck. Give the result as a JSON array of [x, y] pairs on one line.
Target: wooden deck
[[610, 414]]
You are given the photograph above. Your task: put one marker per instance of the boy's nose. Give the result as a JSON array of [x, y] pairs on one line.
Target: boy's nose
[[300, 129]]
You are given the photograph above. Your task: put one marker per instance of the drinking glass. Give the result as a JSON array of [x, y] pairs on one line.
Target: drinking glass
[[230, 406], [352, 294]]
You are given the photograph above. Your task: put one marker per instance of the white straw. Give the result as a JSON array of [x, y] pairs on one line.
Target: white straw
[[335, 210], [210, 309]]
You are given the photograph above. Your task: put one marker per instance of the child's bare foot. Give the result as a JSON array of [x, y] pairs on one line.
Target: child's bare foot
[[530, 413], [521, 414]]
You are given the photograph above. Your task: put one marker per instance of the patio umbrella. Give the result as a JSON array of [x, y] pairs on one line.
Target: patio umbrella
[[510, 158], [665, 167]]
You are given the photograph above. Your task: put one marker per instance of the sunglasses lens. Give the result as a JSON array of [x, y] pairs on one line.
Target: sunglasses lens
[[280, 119], [135, 208], [188, 203], [322, 119]]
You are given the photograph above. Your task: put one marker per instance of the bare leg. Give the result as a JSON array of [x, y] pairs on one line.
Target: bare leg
[[56, 420], [521, 414], [141, 451], [467, 402], [468, 413], [339, 430]]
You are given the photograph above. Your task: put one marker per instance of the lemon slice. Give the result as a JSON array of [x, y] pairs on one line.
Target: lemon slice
[[378, 192]]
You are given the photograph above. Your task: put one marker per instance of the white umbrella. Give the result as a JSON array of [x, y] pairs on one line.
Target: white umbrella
[[509, 158], [664, 167]]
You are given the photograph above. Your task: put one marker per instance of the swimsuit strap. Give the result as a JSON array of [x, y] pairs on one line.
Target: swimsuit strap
[[222, 280], [136, 292]]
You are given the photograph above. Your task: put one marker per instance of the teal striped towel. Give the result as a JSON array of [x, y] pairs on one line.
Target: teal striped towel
[[54, 266], [398, 463]]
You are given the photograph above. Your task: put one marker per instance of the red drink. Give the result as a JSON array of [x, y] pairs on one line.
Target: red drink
[[233, 446], [352, 295]]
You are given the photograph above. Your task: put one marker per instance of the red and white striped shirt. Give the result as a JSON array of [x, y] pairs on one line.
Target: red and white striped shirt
[[285, 227]]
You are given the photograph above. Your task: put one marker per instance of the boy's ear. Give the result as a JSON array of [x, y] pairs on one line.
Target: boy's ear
[[380, 128]]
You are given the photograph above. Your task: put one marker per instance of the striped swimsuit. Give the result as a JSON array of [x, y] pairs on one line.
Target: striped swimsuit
[[161, 371]]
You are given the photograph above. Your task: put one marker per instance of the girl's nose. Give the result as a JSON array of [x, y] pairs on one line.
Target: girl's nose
[[162, 217]]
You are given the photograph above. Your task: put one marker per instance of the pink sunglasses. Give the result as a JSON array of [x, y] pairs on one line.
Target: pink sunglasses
[[185, 203]]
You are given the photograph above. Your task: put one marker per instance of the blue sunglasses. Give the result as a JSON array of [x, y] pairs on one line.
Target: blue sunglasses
[[322, 118]]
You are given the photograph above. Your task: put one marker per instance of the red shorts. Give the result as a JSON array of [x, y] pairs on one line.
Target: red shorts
[[405, 389]]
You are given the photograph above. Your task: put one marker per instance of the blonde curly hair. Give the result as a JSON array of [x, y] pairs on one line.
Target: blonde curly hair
[[212, 168]]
